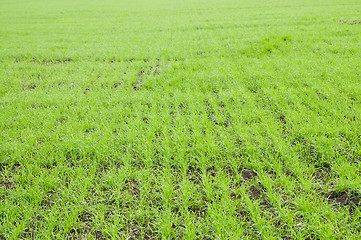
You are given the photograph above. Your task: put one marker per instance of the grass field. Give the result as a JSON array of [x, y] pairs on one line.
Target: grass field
[[180, 119]]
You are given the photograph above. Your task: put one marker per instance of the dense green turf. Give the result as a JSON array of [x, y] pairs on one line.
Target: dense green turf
[[167, 119]]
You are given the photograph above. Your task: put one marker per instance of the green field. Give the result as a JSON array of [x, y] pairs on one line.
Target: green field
[[180, 119]]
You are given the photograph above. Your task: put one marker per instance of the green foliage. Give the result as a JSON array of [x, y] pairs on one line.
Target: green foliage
[[180, 119]]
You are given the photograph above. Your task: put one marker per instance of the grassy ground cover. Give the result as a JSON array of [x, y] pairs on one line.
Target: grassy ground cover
[[168, 119]]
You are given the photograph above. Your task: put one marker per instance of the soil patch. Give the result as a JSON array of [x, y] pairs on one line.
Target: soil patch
[[6, 184], [248, 174], [350, 22], [256, 194], [346, 198]]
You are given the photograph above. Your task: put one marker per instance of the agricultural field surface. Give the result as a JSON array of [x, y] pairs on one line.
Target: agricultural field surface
[[180, 119]]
